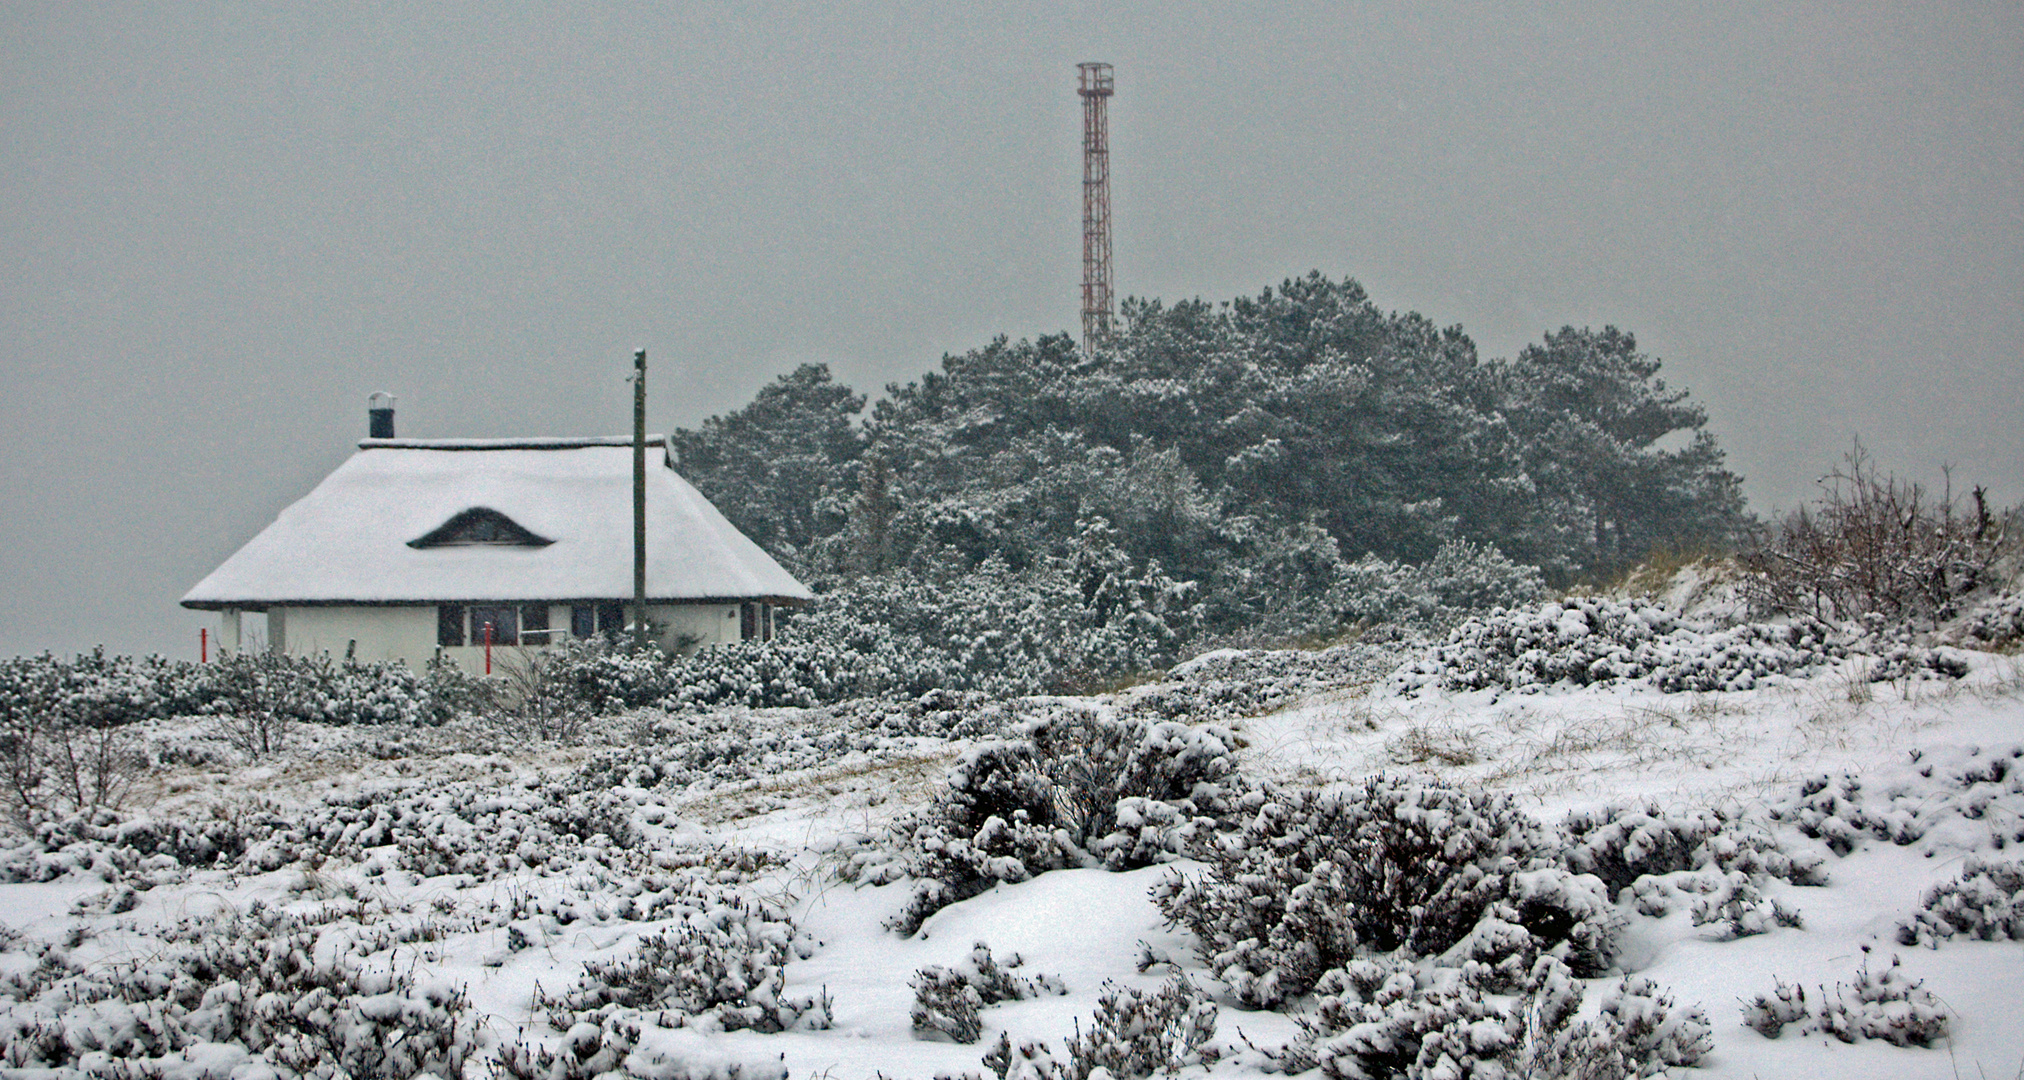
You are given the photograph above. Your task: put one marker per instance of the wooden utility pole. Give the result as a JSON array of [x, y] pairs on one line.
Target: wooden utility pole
[[640, 499]]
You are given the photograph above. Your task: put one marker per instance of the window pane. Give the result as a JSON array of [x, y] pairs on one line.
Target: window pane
[[534, 624], [450, 624], [610, 616], [582, 621], [504, 621]]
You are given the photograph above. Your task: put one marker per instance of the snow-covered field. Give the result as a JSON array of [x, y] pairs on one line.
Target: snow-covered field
[[385, 900]]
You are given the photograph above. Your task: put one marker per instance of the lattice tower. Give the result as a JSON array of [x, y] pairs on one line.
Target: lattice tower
[[1095, 85]]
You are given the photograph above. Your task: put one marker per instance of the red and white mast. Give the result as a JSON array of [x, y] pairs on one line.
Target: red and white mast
[[1095, 85]]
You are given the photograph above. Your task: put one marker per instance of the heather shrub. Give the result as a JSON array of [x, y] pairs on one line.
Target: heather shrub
[[1401, 865], [262, 984], [1069, 789], [1583, 641], [1620, 845], [947, 1000], [1976, 803], [1986, 903], [1887, 1006], [1460, 580], [722, 963], [1996, 623], [609, 1048], [1381, 1019], [1135, 1034]]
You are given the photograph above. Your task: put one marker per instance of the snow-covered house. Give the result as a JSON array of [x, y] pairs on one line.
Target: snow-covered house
[[418, 546]]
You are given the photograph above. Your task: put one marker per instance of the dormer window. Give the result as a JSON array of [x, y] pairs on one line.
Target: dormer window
[[480, 526]]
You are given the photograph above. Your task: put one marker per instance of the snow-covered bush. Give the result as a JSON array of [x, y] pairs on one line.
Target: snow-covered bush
[[701, 750], [1995, 623], [466, 827], [97, 690], [1987, 903], [1462, 579], [134, 849], [1391, 1019], [273, 988], [947, 1000], [1887, 1006], [1231, 683], [1405, 864], [1739, 908], [1135, 1034], [1622, 845], [270, 690], [1070, 789], [1977, 802], [1588, 640], [1878, 545], [722, 963], [610, 1048]]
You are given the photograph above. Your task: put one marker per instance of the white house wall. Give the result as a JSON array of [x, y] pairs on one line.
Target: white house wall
[[381, 632], [709, 624], [408, 632]]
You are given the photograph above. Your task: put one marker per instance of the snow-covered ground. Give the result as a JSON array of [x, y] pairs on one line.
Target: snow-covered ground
[[425, 862]]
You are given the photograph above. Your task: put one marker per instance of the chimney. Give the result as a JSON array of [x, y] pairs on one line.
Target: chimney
[[379, 412]]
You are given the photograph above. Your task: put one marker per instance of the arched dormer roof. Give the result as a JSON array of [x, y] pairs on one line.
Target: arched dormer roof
[[480, 526]]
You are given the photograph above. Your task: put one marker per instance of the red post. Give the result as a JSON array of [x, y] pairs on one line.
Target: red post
[[203, 644], [488, 648]]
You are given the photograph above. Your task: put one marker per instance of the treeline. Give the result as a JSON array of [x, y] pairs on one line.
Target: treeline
[[1251, 468]]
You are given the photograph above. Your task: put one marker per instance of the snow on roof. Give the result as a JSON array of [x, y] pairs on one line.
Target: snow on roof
[[348, 540]]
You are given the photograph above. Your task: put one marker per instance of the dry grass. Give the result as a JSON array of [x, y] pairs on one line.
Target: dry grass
[[1435, 741], [1653, 576], [2006, 682], [869, 784]]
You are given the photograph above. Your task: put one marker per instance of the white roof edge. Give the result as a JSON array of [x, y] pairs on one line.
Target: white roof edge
[[535, 443]]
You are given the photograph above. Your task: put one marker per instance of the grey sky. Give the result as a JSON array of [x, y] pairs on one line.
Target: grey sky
[[227, 225]]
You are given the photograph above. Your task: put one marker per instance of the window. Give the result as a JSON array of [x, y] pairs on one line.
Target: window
[[534, 624], [582, 621], [748, 627], [504, 621], [610, 617], [450, 624]]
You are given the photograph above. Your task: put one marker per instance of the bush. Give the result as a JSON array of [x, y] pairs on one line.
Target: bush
[[1402, 864], [1070, 789], [1983, 794], [1987, 903], [261, 983], [1134, 1034], [1878, 545], [723, 962], [1996, 623], [1887, 1006], [1584, 641], [1622, 845], [1231, 683], [1389, 1019], [609, 1049], [1462, 579], [947, 1000]]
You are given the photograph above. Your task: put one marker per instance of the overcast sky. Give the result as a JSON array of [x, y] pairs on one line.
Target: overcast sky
[[225, 226]]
